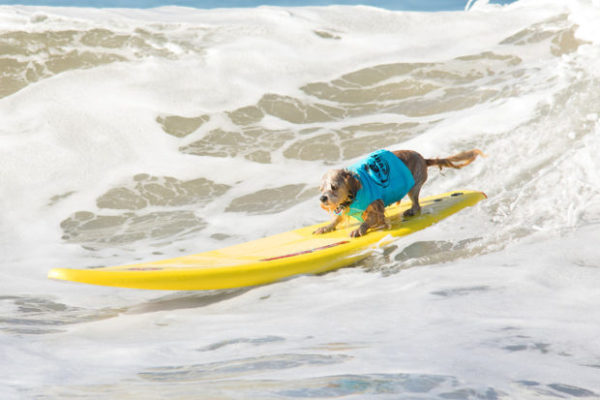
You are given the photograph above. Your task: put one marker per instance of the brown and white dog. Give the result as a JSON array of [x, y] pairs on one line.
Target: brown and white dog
[[340, 186]]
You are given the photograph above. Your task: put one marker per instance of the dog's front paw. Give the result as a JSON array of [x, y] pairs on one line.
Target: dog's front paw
[[322, 230], [357, 233]]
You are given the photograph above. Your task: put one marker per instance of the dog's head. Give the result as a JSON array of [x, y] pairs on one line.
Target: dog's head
[[338, 189]]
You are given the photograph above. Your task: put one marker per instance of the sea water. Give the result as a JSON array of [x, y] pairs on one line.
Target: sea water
[[413, 5], [130, 135]]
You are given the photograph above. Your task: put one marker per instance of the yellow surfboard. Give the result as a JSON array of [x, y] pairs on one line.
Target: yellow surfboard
[[272, 258]]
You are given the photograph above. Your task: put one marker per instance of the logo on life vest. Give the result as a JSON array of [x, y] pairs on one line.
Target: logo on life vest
[[379, 169]]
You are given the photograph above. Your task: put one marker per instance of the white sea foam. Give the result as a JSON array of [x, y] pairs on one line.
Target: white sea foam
[[216, 126]]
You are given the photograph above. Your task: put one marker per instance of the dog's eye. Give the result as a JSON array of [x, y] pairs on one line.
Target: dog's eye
[[333, 187]]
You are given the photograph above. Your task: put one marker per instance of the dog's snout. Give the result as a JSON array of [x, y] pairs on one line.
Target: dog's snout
[[324, 198]]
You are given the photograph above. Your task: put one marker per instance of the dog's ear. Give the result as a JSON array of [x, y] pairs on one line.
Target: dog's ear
[[352, 183], [324, 180]]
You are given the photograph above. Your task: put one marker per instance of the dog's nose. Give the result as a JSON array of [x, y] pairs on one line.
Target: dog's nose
[[323, 199]]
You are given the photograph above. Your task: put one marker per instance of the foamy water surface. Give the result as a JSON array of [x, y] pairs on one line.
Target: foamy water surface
[[132, 135]]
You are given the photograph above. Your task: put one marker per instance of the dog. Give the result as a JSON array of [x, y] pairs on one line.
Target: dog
[[364, 189]]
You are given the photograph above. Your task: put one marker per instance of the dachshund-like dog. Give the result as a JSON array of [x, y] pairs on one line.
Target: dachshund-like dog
[[341, 188]]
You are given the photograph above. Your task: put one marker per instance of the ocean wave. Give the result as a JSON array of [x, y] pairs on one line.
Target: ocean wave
[[143, 134]]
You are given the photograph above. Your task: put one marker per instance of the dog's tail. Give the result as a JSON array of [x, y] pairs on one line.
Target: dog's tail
[[457, 161]]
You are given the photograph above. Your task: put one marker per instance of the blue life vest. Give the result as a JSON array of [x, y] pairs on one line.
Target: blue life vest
[[382, 176]]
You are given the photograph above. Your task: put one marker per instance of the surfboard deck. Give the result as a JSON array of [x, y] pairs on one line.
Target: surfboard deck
[[271, 258]]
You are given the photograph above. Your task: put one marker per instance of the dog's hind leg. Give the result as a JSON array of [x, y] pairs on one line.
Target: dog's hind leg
[[413, 195]]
